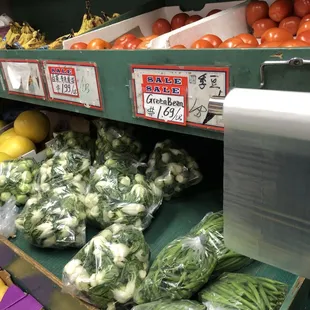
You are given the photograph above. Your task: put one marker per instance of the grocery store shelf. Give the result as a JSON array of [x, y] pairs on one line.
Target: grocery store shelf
[[114, 76], [174, 219]]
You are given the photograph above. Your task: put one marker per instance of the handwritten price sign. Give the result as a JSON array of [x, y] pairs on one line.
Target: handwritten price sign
[[73, 83], [64, 81], [164, 99]]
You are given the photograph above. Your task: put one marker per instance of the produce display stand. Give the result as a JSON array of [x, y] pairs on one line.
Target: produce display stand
[[247, 69]]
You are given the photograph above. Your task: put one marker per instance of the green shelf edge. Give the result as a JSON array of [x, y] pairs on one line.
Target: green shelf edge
[[175, 218]]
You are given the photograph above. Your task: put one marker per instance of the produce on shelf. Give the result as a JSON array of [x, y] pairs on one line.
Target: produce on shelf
[[33, 125], [115, 137], [12, 36], [68, 140], [172, 169], [7, 134], [3, 289], [120, 193], [5, 157], [57, 221], [67, 168], [171, 305], [16, 180], [243, 292], [16, 146], [109, 268], [212, 228], [8, 215], [181, 269]]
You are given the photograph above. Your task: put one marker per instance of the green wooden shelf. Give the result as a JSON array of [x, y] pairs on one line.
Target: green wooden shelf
[[176, 218]]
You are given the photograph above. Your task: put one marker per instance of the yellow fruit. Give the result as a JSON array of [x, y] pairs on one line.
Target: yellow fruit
[[33, 125], [3, 289], [2, 124], [16, 146], [4, 157], [7, 134]]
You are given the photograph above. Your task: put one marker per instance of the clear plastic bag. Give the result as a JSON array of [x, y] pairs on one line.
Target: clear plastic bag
[[212, 228], [115, 137], [180, 270], [17, 179], [235, 291], [54, 222], [109, 268], [8, 215], [119, 193], [171, 305], [69, 140], [172, 169], [67, 168]]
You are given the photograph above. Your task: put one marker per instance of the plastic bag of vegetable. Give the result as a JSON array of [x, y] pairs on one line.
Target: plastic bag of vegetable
[[212, 227], [119, 193], [109, 268], [172, 169], [171, 305], [114, 137], [68, 140], [54, 222], [8, 215], [66, 168], [179, 271], [235, 291], [16, 180]]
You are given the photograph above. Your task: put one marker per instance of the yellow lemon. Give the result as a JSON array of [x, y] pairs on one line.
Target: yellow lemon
[[17, 146], [33, 125], [4, 157], [2, 124], [7, 134]]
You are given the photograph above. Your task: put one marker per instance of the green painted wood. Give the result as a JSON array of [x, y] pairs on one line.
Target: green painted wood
[[114, 76]]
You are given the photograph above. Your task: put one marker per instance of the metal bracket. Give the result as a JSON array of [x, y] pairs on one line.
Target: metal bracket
[[293, 62]]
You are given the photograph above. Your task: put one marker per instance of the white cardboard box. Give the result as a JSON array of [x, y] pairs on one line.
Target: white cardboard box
[[141, 25]]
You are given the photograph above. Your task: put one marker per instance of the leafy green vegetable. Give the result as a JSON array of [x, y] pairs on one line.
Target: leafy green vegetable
[[114, 137], [69, 140], [67, 168], [109, 268], [172, 169], [119, 193], [54, 222], [171, 305], [212, 228], [243, 292], [180, 270], [16, 180]]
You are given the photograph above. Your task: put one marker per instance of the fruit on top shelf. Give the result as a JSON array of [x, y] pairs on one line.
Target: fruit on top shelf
[[256, 10], [161, 26], [33, 125], [17, 146], [7, 134], [291, 24], [4, 157]]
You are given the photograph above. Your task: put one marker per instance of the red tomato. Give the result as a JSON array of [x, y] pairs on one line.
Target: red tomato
[[213, 39], [256, 10], [306, 18], [294, 43], [179, 46], [98, 44], [161, 26], [261, 25], [291, 24], [244, 45], [276, 35], [301, 7], [124, 39], [133, 44], [78, 46], [248, 39], [117, 47], [280, 9], [304, 36], [231, 43], [304, 27], [269, 44], [213, 12], [179, 20], [201, 44], [193, 19]]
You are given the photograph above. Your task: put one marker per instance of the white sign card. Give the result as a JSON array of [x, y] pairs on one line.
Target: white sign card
[[203, 83], [23, 78], [73, 83]]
